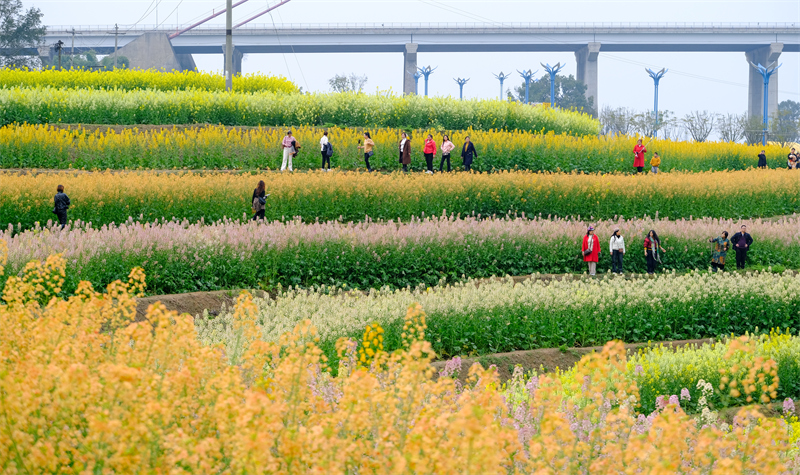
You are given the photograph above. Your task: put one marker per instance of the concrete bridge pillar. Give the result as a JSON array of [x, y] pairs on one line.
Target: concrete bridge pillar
[[755, 97], [237, 61], [409, 68], [586, 57]]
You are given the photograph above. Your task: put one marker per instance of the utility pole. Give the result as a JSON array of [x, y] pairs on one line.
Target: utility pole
[[116, 35], [656, 79], [766, 72], [59, 46], [72, 53], [553, 70], [228, 45]]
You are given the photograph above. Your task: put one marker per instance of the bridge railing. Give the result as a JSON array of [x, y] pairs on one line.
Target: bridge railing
[[450, 25]]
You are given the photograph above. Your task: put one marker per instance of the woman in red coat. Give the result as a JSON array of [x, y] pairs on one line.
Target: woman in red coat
[[591, 250], [638, 154]]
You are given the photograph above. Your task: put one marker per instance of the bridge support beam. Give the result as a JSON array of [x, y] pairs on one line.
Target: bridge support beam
[[586, 57], [755, 92], [237, 61], [409, 68], [152, 50]]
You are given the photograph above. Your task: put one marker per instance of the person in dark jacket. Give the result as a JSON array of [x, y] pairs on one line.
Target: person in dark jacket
[[259, 200], [61, 205], [762, 159], [741, 242], [468, 153]]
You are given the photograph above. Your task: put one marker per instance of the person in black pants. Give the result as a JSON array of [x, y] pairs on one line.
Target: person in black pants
[[762, 159], [259, 200], [741, 244], [652, 244], [62, 203], [467, 153]]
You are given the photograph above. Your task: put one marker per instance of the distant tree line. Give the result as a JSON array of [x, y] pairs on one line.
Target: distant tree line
[[784, 126]]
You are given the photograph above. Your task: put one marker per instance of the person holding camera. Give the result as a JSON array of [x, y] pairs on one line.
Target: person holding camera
[[259, 200], [721, 246], [591, 250]]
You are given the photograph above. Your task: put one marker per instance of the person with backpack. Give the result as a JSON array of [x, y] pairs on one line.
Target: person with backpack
[[289, 151], [61, 201], [259, 200], [617, 247], [326, 150], [591, 250], [741, 244], [720, 252]]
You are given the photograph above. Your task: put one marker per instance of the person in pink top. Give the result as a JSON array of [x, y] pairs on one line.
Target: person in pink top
[[638, 156], [447, 147], [288, 151], [429, 150]]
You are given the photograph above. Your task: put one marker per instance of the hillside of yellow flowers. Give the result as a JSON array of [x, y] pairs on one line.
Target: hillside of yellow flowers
[[132, 79], [113, 197], [85, 389], [47, 105], [218, 147]]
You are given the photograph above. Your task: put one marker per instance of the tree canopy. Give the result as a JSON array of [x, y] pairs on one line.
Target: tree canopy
[[569, 93], [19, 29]]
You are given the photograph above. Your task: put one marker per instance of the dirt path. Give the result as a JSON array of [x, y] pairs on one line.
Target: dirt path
[[546, 359]]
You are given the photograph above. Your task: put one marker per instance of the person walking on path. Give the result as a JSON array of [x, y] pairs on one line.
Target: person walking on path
[[762, 159], [368, 153], [655, 162], [405, 151], [468, 153], [741, 244], [430, 151], [591, 250], [617, 248], [288, 151], [61, 201], [721, 246], [259, 200], [652, 244], [326, 157], [638, 156], [447, 147]]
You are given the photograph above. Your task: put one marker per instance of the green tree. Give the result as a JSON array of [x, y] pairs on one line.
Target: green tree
[[19, 30], [569, 93]]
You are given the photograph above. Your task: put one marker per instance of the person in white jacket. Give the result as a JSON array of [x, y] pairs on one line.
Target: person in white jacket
[[447, 147], [323, 142], [617, 248]]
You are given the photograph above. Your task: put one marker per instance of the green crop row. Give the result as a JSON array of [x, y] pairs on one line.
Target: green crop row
[[86, 106], [501, 316]]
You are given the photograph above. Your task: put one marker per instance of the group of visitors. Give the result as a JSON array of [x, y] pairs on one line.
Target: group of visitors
[[638, 158], [291, 147], [653, 250]]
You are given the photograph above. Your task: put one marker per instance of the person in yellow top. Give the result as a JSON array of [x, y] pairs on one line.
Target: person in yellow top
[[654, 163], [368, 145]]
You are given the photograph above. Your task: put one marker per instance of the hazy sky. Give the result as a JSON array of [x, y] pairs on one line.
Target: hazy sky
[[695, 81]]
